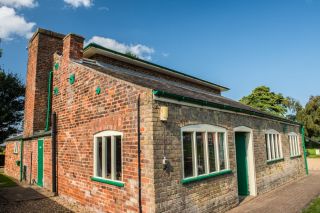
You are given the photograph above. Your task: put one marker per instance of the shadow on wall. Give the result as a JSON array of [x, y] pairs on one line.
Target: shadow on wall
[[27, 199], [2, 160]]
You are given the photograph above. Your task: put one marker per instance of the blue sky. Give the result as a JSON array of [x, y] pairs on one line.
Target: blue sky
[[240, 44]]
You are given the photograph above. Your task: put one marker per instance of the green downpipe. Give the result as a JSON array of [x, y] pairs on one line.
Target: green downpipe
[[21, 159], [49, 101], [304, 150]]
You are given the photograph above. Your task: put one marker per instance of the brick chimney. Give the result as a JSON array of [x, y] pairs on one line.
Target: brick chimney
[[41, 48], [73, 47]]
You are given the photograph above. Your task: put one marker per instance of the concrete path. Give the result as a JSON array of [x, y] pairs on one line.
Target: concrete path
[[314, 163], [290, 198]]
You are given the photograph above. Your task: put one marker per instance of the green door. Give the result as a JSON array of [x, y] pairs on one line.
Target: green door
[[40, 162], [242, 164]]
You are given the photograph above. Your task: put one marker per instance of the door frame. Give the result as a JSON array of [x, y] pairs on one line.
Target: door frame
[[250, 158], [40, 139]]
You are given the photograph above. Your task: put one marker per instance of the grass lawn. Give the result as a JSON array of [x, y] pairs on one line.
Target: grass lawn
[[313, 156], [314, 206], [6, 181]]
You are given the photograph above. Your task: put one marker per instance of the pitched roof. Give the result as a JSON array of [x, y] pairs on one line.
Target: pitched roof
[[93, 48], [180, 92]]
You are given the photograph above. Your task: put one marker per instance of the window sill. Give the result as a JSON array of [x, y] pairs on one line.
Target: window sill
[[108, 181], [297, 156], [206, 176], [274, 161]]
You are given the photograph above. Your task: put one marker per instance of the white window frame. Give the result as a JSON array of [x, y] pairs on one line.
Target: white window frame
[[16, 148], [103, 135], [274, 145], [294, 144], [205, 128]]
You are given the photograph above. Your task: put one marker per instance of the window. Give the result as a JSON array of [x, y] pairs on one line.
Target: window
[[294, 144], [273, 145], [16, 148], [108, 155], [204, 150]]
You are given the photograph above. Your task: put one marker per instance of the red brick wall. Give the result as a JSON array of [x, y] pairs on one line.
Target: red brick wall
[[30, 147], [10, 166], [73, 46], [80, 114], [41, 48], [30, 87]]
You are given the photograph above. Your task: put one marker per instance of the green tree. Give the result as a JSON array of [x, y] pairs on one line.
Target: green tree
[[310, 118], [131, 54], [263, 99], [11, 104]]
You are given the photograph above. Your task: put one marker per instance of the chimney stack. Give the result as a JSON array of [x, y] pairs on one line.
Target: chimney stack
[[73, 47], [41, 48]]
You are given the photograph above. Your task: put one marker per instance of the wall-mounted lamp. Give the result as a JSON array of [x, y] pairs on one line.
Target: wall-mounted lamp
[[164, 113]]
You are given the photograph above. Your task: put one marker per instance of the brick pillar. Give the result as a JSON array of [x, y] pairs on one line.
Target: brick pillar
[[73, 47], [41, 48]]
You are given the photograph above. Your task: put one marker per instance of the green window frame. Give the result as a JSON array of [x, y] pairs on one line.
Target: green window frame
[[205, 149], [273, 145], [16, 148], [107, 158], [294, 144]]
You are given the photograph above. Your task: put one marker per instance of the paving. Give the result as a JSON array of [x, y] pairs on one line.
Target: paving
[[314, 163], [290, 198], [29, 198]]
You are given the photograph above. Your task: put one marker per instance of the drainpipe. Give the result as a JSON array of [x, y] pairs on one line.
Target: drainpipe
[[139, 156], [304, 149], [49, 101], [30, 176], [21, 160], [54, 153]]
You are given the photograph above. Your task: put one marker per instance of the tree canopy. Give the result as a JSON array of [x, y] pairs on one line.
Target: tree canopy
[[265, 100], [11, 104], [310, 118], [131, 54]]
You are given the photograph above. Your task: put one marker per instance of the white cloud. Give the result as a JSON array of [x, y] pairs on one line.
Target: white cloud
[[18, 3], [79, 3], [140, 50], [165, 55], [12, 24], [104, 8]]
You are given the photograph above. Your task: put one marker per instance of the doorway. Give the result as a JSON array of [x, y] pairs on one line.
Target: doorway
[[245, 161], [40, 163], [242, 164]]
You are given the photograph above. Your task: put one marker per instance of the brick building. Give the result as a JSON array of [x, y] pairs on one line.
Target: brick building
[[88, 112]]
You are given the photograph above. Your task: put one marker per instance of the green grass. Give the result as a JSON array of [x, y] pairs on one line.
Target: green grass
[[6, 181], [313, 156], [314, 206], [311, 153]]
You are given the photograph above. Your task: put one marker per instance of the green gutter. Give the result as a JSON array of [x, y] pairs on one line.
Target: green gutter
[[21, 159], [49, 101], [219, 106], [304, 150], [152, 64]]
